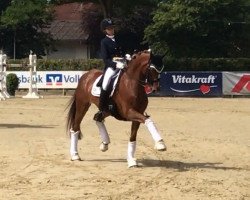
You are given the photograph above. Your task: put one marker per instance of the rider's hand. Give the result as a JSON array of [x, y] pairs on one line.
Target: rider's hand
[[119, 65], [128, 57]]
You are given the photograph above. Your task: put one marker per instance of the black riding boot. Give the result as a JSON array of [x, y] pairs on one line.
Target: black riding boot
[[103, 102]]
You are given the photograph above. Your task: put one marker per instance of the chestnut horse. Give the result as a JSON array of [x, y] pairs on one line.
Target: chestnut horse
[[130, 101]]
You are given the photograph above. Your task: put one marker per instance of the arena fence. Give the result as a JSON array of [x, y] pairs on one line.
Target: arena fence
[[32, 87], [172, 83], [204, 84]]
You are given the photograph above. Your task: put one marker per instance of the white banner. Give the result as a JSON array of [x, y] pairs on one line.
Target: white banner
[[236, 83], [50, 79]]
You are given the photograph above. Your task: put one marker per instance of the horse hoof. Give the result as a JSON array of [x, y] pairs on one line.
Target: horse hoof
[[104, 147], [160, 146], [132, 163], [75, 157]]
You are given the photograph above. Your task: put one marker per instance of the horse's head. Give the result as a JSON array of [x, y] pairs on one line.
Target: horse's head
[[148, 66], [153, 72]]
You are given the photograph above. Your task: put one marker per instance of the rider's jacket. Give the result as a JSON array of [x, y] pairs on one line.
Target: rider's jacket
[[109, 50]]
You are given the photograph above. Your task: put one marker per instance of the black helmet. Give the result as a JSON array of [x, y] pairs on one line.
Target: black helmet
[[106, 23]]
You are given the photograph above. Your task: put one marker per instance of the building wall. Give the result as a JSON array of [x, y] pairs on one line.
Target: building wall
[[70, 50]]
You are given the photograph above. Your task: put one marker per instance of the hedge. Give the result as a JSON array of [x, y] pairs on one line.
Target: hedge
[[183, 64], [207, 64], [60, 64]]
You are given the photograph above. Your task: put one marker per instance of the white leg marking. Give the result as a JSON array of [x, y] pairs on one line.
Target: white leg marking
[[73, 145], [131, 153], [159, 143]]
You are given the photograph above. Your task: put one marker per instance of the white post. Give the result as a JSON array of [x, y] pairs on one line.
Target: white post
[[33, 91], [3, 89]]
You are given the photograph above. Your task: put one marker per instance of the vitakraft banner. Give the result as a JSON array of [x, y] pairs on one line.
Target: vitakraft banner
[[191, 84]]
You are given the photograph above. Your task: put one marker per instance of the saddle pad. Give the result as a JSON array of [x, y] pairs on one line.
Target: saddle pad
[[96, 91]]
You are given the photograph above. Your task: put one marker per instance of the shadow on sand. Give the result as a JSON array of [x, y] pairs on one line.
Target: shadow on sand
[[25, 126], [170, 164], [185, 166]]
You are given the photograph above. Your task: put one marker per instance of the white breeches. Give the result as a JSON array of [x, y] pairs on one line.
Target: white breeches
[[107, 77]]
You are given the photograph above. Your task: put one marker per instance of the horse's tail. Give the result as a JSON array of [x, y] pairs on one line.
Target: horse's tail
[[71, 115]]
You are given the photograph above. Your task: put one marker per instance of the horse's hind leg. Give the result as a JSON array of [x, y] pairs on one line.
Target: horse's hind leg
[[132, 144], [75, 131], [104, 136]]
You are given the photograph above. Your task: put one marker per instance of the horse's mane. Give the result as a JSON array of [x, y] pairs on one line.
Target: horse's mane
[[139, 53], [134, 58]]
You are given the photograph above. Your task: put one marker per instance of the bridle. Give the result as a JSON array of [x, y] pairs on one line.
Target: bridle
[[148, 80], [149, 70]]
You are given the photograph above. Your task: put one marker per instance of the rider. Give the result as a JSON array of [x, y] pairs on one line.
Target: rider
[[109, 50]]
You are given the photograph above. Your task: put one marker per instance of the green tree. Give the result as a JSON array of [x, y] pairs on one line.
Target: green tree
[[200, 28], [131, 18], [24, 20], [4, 4], [3, 31]]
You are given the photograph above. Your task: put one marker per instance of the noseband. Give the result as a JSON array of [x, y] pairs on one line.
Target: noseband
[[148, 76]]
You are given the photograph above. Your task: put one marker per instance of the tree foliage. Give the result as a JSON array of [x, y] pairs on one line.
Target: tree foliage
[[200, 28], [131, 18], [22, 22], [180, 28]]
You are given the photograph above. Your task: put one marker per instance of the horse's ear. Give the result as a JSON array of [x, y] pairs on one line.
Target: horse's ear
[[136, 51], [157, 60]]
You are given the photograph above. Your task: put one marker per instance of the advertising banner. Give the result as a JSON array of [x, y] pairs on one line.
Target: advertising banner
[[235, 83], [49, 79], [191, 84]]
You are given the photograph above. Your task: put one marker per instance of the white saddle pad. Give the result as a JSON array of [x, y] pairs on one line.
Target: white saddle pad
[[96, 91]]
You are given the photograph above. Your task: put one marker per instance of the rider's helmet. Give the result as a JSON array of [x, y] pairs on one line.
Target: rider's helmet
[[105, 23]]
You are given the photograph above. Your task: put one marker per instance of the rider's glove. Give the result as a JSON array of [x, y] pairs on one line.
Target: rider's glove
[[119, 65], [128, 57]]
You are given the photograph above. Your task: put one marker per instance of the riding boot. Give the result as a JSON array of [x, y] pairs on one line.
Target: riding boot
[[103, 102]]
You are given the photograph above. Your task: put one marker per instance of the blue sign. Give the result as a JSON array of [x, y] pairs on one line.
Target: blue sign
[[53, 79], [191, 84]]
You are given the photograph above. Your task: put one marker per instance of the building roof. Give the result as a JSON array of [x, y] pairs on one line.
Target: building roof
[[69, 11], [67, 30], [67, 24]]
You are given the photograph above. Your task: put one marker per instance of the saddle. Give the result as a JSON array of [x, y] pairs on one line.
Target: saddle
[[96, 91], [96, 88]]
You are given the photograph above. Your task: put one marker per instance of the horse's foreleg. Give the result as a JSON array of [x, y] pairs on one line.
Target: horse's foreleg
[[104, 136], [132, 144], [159, 143], [136, 116]]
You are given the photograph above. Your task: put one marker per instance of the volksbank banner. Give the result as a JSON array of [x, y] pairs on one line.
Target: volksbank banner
[[49, 79], [191, 83], [236, 83]]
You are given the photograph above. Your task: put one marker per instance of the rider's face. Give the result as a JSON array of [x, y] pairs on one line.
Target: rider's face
[[110, 30]]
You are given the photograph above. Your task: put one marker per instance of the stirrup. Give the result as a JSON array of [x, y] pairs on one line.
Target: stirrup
[[99, 116]]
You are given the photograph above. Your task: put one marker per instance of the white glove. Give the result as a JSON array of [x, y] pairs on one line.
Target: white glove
[[119, 65], [128, 57]]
